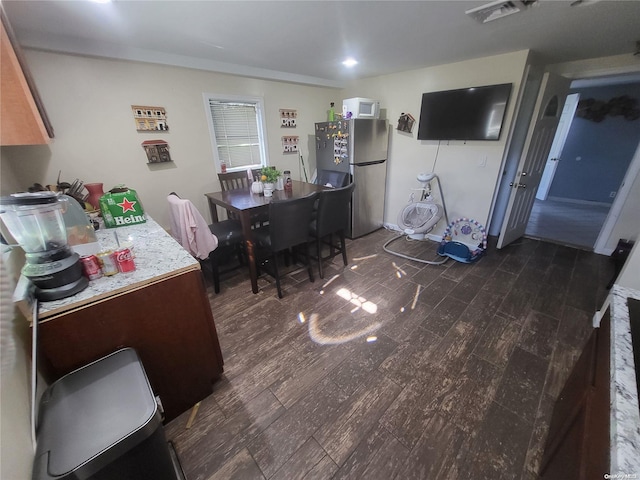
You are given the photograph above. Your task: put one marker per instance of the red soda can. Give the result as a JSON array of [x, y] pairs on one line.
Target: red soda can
[[108, 263], [91, 267], [124, 260]]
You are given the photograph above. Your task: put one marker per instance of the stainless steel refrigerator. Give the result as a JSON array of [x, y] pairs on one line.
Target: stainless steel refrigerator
[[356, 150]]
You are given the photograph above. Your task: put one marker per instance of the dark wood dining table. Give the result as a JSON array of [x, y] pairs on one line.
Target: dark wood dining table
[[247, 205]]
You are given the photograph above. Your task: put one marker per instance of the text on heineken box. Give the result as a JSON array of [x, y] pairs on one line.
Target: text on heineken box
[[129, 220]]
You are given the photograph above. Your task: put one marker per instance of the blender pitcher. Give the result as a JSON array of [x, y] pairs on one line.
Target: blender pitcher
[[35, 221]]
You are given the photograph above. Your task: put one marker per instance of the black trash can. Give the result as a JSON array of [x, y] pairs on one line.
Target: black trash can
[[102, 422]]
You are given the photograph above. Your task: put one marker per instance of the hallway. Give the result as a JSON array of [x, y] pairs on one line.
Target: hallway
[[567, 223]]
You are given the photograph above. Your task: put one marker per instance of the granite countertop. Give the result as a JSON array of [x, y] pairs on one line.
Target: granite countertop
[[625, 415], [157, 255]]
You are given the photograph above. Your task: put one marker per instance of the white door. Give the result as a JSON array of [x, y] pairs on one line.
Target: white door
[[559, 140], [546, 116]]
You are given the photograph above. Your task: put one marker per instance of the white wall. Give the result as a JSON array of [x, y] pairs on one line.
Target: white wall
[[627, 226], [468, 188], [16, 451], [89, 103]]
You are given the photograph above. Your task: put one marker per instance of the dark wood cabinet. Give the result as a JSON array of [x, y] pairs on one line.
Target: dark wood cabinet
[[578, 442], [168, 322]]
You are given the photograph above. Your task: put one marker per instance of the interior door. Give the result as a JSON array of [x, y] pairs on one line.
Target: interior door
[[559, 140], [546, 116]]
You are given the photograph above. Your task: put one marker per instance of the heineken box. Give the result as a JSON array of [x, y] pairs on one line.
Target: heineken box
[[120, 206]]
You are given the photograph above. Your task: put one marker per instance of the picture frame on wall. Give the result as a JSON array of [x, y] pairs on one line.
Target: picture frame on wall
[[157, 151], [150, 119], [288, 118], [290, 144]]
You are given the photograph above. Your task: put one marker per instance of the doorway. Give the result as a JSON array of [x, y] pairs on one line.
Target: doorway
[[591, 168]]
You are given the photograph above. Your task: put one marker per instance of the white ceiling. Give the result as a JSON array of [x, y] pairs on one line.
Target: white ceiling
[[306, 41]]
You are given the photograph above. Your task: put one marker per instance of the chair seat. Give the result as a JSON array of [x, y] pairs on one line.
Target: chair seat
[[229, 232]]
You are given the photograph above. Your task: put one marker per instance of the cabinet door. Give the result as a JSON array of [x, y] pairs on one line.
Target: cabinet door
[[170, 325], [598, 443], [564, 463], [578, 445], [573, 392], [22, 115]]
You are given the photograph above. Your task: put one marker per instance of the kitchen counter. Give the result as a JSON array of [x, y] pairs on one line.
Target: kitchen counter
[[161, 310], [625, 415], [157, 256]]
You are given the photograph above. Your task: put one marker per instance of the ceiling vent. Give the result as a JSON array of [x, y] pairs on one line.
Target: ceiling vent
[[498, 9]]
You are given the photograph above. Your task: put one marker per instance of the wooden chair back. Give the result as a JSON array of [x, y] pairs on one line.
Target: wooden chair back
[[236, 180]]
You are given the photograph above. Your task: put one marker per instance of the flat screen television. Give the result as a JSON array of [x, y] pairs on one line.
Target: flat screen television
[[474, 113]]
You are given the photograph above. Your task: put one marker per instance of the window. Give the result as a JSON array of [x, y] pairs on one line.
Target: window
[[237, 131]]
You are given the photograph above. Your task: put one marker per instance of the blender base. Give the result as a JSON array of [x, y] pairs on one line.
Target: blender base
[[56, 293]]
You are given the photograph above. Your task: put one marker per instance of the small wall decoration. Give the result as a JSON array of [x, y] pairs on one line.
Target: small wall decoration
[[150, 119], [290, 144], [597, 110], [406, 122], [157, 151], [288, 118]]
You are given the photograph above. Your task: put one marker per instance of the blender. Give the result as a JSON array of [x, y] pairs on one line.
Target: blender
[[35, 220]]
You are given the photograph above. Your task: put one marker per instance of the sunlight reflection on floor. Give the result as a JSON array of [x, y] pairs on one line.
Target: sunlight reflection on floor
[[325, 338], [344, 326]]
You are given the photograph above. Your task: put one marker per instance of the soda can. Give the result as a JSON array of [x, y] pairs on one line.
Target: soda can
[[91, 267], [124, 260], [108, 263]]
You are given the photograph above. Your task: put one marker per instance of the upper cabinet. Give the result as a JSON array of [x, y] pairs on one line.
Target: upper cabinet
[[23, 120]]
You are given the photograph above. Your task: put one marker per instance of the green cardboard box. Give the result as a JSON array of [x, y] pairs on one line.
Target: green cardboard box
[[120, 206]]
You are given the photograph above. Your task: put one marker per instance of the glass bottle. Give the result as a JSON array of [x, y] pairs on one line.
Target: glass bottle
[[288, 186]]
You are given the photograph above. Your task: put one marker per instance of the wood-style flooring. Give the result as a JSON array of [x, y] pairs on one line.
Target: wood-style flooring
[[566, 222], [393, 369]]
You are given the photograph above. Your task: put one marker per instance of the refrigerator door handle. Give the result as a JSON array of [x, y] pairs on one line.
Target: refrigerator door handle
[[365, 164]]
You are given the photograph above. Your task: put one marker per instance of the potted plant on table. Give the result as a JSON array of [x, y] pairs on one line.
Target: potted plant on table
[[269, 176]]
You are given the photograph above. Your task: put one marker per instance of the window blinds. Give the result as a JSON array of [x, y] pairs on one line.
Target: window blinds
[[236, 132]]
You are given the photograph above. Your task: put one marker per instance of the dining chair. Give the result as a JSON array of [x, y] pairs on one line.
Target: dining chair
[[332, 178], [236, 180], [288, 228], [215, 242], [239, 180], [331, 217]]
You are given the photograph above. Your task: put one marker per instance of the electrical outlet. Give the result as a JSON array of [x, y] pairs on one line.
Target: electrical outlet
[[612, 194], [482, 161]]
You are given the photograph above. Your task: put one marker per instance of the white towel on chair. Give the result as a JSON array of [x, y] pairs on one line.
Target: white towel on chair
[[190, 229]]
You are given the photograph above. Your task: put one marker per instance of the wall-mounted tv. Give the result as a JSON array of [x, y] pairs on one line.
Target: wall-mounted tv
[[474, 113]]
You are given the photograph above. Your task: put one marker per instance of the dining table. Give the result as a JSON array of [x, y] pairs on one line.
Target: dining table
[[246, 205]]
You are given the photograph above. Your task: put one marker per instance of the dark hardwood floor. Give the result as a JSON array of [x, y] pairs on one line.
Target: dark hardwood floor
[[393, 369]]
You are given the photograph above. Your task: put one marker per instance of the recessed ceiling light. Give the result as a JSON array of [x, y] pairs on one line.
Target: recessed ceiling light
[[100, 1], [350, 62]]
